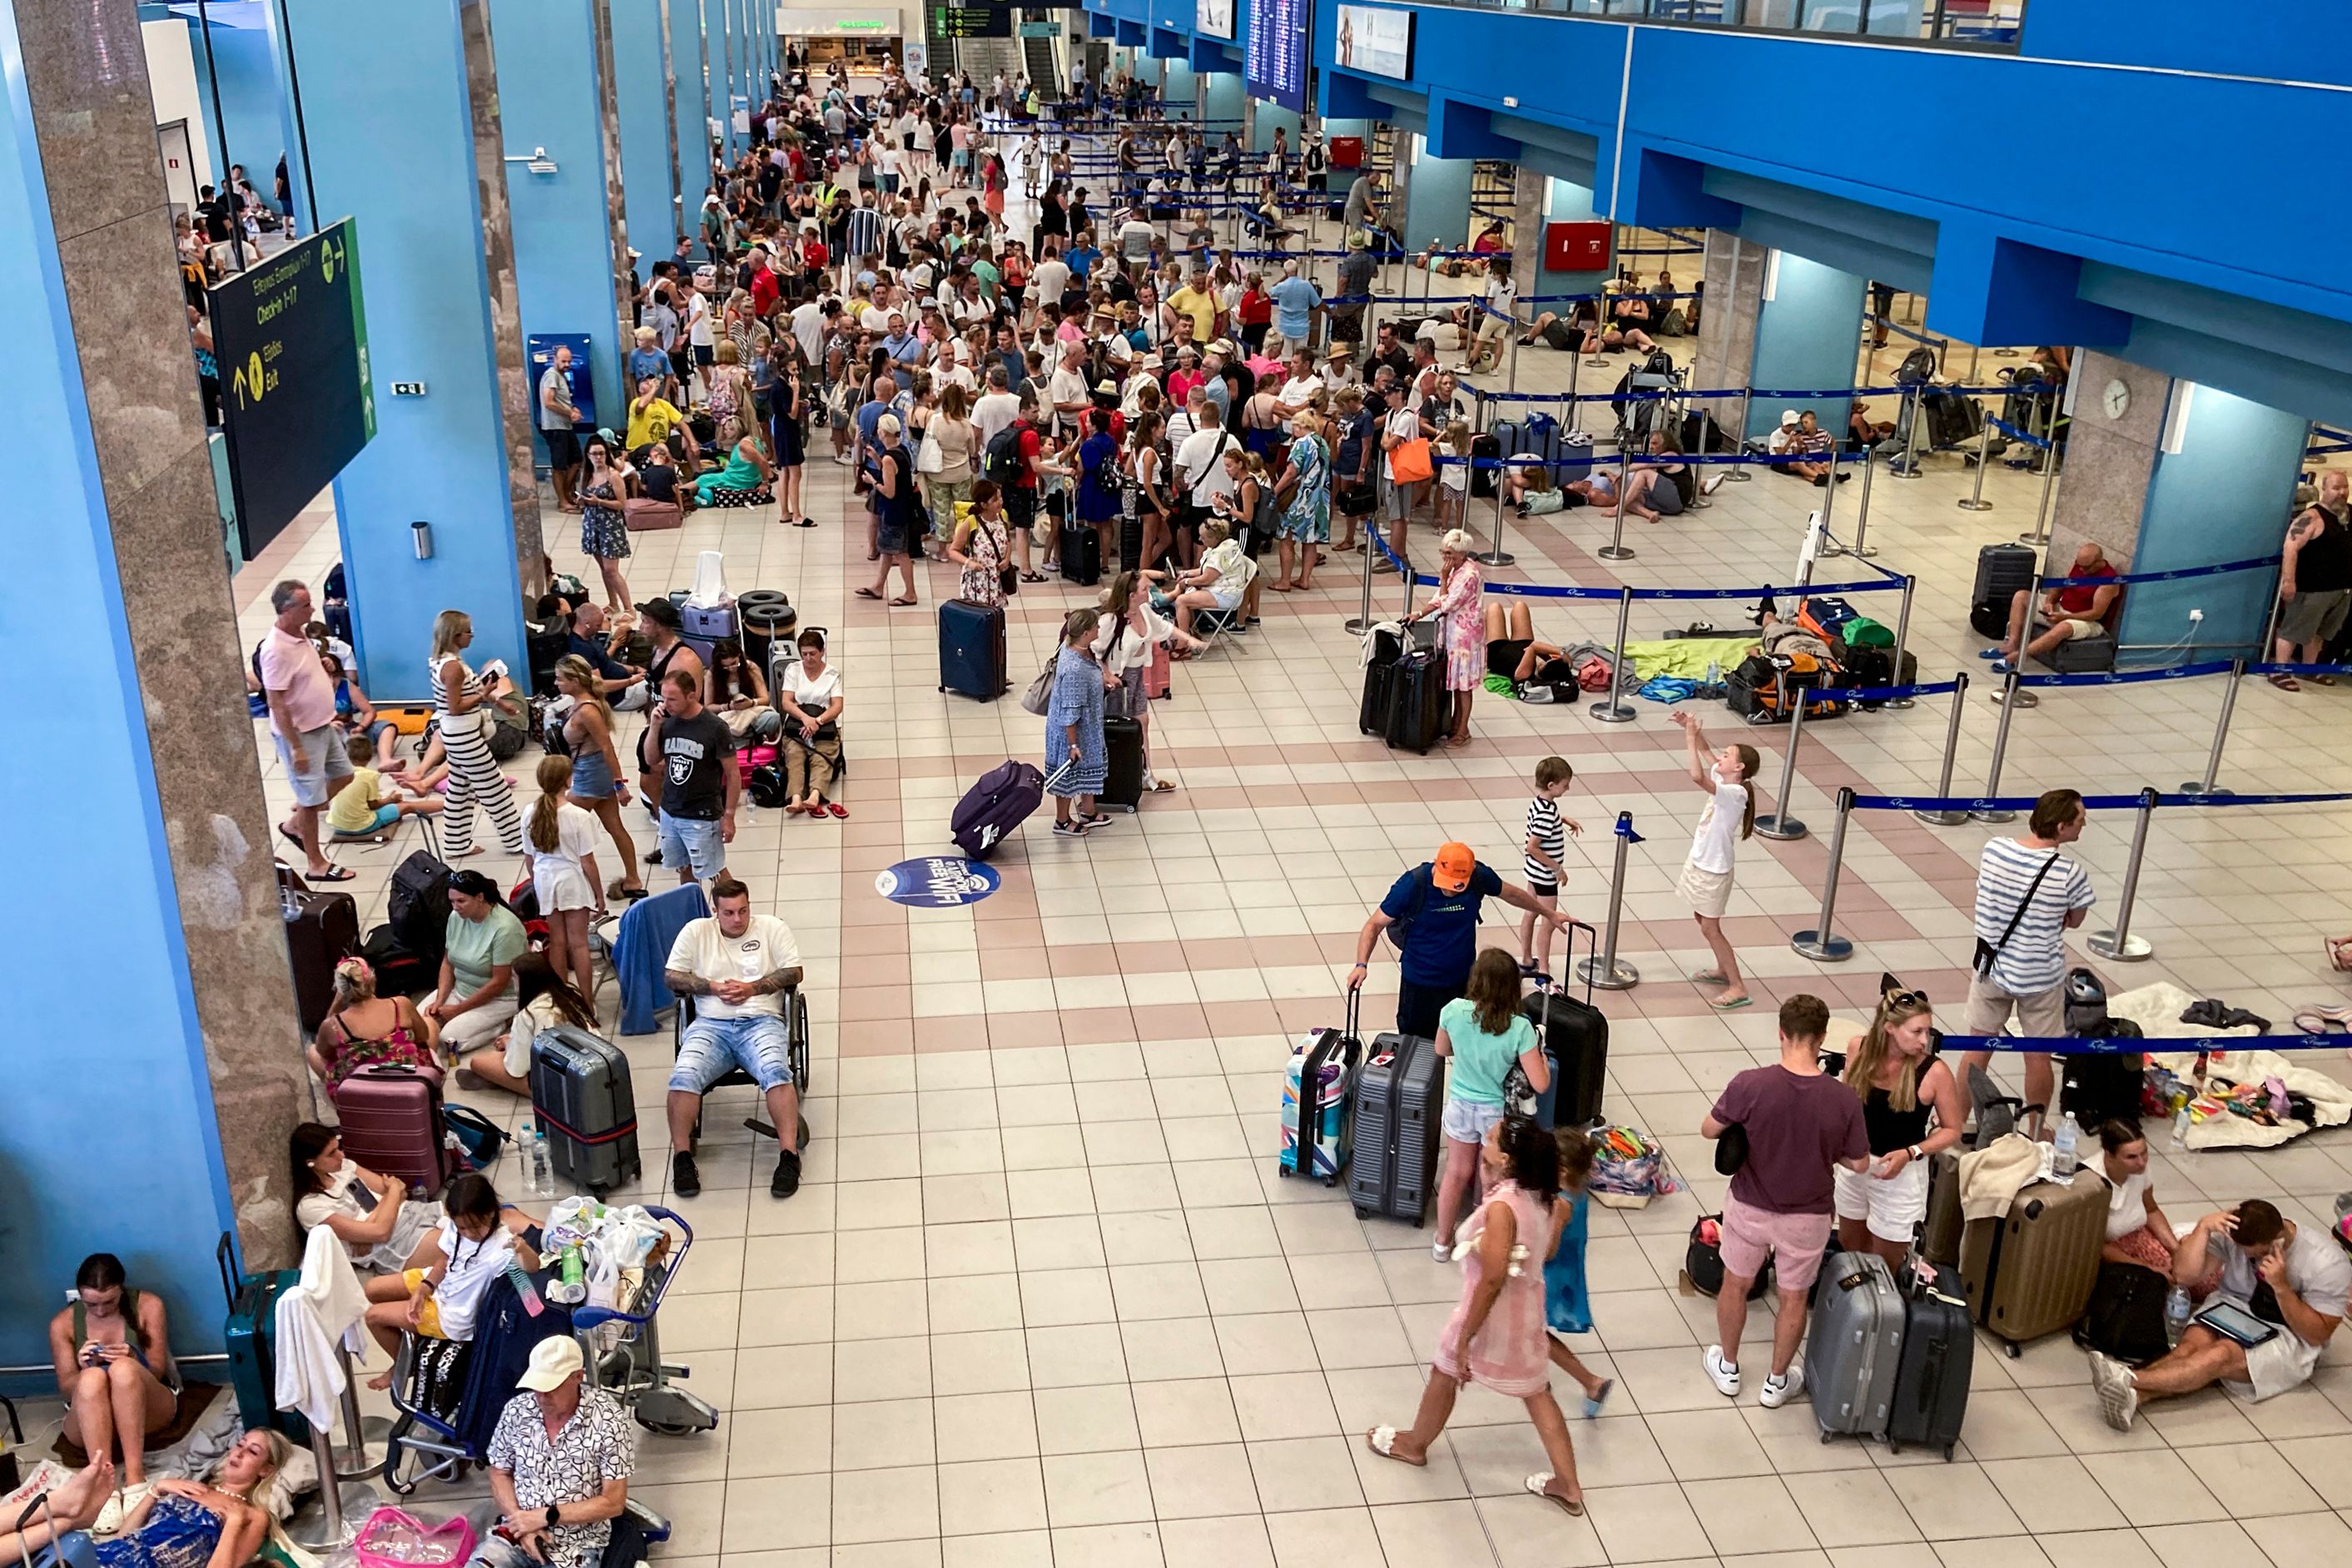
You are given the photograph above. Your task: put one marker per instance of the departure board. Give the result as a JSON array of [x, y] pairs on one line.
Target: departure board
[[1274, 68], [971, 21]]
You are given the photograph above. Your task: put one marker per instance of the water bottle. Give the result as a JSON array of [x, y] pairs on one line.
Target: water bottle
[[2181, 1124], [2176, 1314], [542, 1180], [1714, 673], [570, 1285], [288, 906], [2063, 1144]]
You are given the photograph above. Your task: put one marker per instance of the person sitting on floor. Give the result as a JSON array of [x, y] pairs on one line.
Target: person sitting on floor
[[2078, 610], [175, 1524], [382, 1228], [364, 808], [546, 1000], [1513, 650], [113, 1356], [2289, 1275]]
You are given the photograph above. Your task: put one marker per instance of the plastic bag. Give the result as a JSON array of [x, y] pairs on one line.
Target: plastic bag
[[394, 1538]]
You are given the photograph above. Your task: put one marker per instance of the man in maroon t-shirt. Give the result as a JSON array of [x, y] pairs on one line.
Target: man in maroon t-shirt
[[1800, 1123], [2082, 610]]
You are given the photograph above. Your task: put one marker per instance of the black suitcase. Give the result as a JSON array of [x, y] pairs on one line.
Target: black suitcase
[[398, 972], [1081, 554], [1417, 706], [581, 1094], [1122, 787], [1952, 419], [1379, 679], [2126, 1317], [322, 931], [1482, 480], [2001, 571], [972, 650], [417, 908], [1939, 1356], [1576, 1037], [2083, 656], [1399, 1109], [2103, 1086]]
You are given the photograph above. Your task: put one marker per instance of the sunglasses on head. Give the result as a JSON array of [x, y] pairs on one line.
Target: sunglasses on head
[[1903, 999]]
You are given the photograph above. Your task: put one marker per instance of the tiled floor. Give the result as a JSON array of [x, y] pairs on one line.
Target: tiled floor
[[1043, 1300]]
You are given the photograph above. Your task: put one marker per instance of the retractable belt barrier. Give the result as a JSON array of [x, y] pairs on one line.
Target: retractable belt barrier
[[2013, 433], [2125, 578], [2169, 1045]]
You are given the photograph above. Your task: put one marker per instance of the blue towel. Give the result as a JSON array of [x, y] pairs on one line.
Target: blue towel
[[1669, 689], [648, 931]]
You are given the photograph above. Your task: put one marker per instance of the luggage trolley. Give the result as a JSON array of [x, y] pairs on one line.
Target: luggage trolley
[[631, 1369]]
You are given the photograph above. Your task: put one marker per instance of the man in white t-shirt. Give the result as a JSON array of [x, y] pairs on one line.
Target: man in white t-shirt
[[1199, 460], [738, 967], [997, 407], [1067, 388], [1050, 280]]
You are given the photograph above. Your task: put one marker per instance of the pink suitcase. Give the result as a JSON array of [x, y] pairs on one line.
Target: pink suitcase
[[390, 1117]]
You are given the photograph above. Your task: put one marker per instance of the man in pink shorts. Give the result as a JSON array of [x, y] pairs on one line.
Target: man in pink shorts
[[1800, 1123]]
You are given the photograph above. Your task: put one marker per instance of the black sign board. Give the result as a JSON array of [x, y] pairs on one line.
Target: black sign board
[[290, 334], [971, 21]]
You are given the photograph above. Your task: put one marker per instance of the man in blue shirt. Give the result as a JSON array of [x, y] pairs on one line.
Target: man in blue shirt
[[1081, 256], [1295, 302], [1432, 914], [905, 349]]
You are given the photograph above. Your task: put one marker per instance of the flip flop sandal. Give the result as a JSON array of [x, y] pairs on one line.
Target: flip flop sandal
[[839, 810], [1381, 1440], [1710, 977], [2315, 1022], [1539, 1484], [331, 874], [295, 838], [868, 593], [1593, 1402], [900, 604], [1733, 1005]]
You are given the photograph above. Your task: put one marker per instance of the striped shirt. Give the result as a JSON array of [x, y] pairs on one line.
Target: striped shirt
[[865, 227], [2035, 958], [1545, 831]]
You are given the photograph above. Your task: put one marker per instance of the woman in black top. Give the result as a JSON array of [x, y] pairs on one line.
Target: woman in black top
[[899, 508], [1893, 1067], [1053, 219], [788, 407]]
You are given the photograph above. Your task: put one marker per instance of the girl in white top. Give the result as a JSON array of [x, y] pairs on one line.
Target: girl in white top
[[562, 840], [1731, 817], [373, 1216], [1125, 640], [441, 1301]]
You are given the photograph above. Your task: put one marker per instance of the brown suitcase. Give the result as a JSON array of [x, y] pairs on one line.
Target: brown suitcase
[[2030, 1272], [1940, 1241]]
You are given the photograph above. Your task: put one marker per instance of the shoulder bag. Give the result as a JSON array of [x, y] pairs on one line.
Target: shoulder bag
[[1989, 953], [1409, 461]]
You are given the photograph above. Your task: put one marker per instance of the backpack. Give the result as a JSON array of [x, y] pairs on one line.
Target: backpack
[[1000, 462], [1917, 366], [1400, 927]]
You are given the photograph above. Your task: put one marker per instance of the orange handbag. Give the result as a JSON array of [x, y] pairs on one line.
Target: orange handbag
[[1409, 461]]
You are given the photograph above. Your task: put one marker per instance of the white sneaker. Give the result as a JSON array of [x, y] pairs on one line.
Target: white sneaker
[[1440, 1253], [1781, 1387], [1712, 483], [1722, 1374]]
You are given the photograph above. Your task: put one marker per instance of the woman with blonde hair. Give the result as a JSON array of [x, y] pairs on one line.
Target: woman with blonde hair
[[958, 441], [730, 392], [563, 873], [173, 1523], [598, 785], [462, 703], [1729, 779], [363, 1029], [1911, 1108]]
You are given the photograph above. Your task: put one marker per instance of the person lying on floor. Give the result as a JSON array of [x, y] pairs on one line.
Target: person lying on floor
[[1513, 650], [173, 1524]]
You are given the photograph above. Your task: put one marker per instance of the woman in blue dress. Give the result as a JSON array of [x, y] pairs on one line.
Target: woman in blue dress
[[1075, 760], [1306, 490], [174, 1523]]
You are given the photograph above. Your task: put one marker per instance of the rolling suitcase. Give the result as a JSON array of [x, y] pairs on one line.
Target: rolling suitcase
[[322, 931], [1318, 1136], [1379, 681], [1939, 1239], [1575, 1035], [251, 1335], [1417, 706], [972, 650], [417, 908], [1931, 1379], [1854, 1345], [1081, 554], [2083, 656], [999, 801], [1122, 787], [390, 1116], [1482, 480], [1399, 1102], [1155, 673], [2030, 1272], [581, 1094], [2001, 571]]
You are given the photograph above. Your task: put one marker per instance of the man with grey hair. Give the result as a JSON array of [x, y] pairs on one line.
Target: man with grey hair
[[301, 698]]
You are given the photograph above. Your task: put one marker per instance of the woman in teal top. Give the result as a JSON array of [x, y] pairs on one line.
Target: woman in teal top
[[743, 483], [1485, 1033], [477, 994]]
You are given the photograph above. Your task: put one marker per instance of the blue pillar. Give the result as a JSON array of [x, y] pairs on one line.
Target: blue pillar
[[645, 173], [547, 98], [397, 81], [1268, 117], [1808, 331], [1226, 99], [1437, 200], [1178, 92], [687, 61]]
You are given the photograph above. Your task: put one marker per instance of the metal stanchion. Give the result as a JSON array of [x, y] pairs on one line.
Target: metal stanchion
[[1404, 574], [1613, 709], [1999, 750], [341, 1497], [1975, 501], [1860, 549], [2119, 946], [1616, 549], [1603, 971], [1951, 748], [1568, 406], [1821, 944], [1783, 822], [1496, 556], [2204, 788], [1740, 476], [1902, 634], [1513, 330], [1362, 621], [2041, 535]]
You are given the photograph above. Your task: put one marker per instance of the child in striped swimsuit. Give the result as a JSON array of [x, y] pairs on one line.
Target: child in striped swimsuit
[[1548, 834]]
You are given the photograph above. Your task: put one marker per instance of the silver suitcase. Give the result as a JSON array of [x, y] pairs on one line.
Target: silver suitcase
[[1399, 1102], [1855, 1345]]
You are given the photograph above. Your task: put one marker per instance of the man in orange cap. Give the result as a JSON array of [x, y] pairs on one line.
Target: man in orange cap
[[1432, 915]]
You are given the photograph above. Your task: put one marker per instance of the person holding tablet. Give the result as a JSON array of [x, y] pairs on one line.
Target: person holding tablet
[[2284, 1290]]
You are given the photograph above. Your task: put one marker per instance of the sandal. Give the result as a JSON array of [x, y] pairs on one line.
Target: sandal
[[868, 593], [1033, 577], [1158, 787], [1539, 1484], [1381, 1440], [1733, 1005], [1593, 1402], [839, 810], [1710, 977], [900, 604], [2286, 683], [331, 874]]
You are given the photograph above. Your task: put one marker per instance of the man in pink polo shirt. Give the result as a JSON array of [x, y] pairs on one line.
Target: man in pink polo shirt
[[302, 722]]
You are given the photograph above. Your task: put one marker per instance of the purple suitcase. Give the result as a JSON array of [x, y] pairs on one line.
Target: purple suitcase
[[390, 1117], [1000, 802]]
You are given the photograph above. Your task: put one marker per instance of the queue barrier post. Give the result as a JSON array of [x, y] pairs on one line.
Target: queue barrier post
[[1404, 574], [2203, 788], [1907, 467], [2040, 534], [2119, 946], [2009, 706], [1782, 823], [1362, 621], [1613, 709], [1974, 501], [1821, 944], [1830, 546], [1617, 549], [1567, 407], [1497, 555], [1860, 549], [1902, 635], [1951, 747], [1603, 971], [1739, 475]]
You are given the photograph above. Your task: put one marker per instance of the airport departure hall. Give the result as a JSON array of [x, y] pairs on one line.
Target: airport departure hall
[[1176, 783]]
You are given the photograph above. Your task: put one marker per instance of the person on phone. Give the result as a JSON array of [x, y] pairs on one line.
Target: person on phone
[[2288, 1276], [462, 704], [560, 1459], [114, 1367]]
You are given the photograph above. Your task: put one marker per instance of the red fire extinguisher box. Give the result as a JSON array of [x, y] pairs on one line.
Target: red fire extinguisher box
[[1576, 246], [1346, 152]]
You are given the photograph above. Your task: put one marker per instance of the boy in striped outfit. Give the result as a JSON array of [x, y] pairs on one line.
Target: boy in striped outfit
[[1548, 834]]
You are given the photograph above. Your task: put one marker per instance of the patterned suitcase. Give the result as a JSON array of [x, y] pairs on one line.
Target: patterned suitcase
[[1399, 1102], [2030, 1272], [390, 1117], [1318, 1137], [1854, 1345]]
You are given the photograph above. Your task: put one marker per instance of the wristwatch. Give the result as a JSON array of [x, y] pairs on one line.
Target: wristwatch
[[1914, 1151], [550, 1516]]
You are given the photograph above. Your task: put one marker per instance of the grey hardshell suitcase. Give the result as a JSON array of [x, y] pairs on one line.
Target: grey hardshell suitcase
[[1855, 1345], [1399, 1103], [581, 1094]]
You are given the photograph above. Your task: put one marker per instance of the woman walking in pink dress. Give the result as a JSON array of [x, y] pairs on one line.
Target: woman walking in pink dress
[[1496, 1334], [1460, 600]]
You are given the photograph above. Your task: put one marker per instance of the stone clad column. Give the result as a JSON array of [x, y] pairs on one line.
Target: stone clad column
[[85, 79]]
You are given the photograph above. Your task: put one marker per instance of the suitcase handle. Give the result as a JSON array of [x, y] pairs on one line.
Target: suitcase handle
[[225, 1255]]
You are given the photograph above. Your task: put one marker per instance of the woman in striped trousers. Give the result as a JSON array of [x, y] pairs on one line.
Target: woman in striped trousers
[[462, 703]]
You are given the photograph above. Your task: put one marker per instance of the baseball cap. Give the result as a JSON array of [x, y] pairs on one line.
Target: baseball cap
[[1788, 416], [552, 1360], [663, 610], [1450, 871]]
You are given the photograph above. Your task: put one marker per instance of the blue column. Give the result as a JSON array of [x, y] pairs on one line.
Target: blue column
[[1808, 331], [1268, 118], [397, 83], [562, 222], [1226, 99], [729, 57], [163, 1197], [1437, 201], [645, 174], [1178, 89], [686, 44]]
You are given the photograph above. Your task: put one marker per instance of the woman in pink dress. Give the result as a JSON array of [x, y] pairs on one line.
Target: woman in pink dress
[[1460, 600], [1496, 1334]]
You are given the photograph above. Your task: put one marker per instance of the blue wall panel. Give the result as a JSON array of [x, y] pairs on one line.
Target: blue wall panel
[[686, 44], [249, 102], [2222, 497], [645, 130], [1437, 206]]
